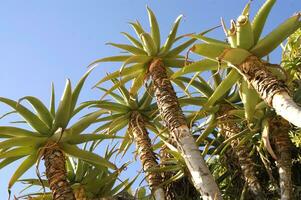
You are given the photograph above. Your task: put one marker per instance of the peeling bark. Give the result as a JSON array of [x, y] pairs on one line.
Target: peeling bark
[[273, 91], [279, 131], [229, 129], [56, 172], [147, 156], [175, 121]]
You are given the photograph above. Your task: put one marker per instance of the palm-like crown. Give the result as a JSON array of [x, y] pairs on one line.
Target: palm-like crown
[[48, 125], [143, 50]]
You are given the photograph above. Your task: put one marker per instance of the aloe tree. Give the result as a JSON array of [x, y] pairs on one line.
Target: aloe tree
[[89, 181], [137, 115], [244, 56], [174, 173], [222, 118], [49, 139], [147, 59]]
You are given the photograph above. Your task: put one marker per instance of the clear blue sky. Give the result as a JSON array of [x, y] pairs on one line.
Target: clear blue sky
[[45, 41]]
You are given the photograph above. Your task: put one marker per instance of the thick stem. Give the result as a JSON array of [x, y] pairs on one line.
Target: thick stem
[[147, 156], [56, 172], [229, 129], [172, 115], [270, 89], [181, 189], [279, 132]]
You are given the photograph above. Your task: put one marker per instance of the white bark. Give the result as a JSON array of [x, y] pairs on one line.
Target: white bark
[[159, 194], [200, 174], [285, 107], [284, 179]]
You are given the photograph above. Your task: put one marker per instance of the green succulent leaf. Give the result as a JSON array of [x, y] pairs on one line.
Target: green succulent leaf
[[137, 84], [129, 48], [133, 40], [42, 110], [22, 141], [148, 44], [224, 87], [16, 132], [23, 167], [260, 19], [155, 31], [77, 90], [78, 139], [32, 119], [174, 62], [201, 86], [210, 40], [141, 59], [87, 156], [62, 115], [112, 106], [17, 152], [177, 50], [278, 35], [52, 101], [137, 28], [125, 72], [115, 96], [8, 161], [84, 123], [111, 59], [118, 84], [199, 66], [172, 35]]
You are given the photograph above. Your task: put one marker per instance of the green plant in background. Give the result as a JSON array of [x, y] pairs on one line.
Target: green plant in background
[[146, 58], [291, 60], [49, 139]]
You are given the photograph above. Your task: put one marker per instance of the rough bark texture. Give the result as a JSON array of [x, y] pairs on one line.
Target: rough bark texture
[[228, 129], [56, 172], [174, 119], [144, 146], [80, 193], [273, 91], [263, 81], [279, 132], [181, 189]]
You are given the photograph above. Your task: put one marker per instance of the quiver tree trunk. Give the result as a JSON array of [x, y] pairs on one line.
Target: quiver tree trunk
[[175, 121], [279, 131], [181, 189], [270, 89], [229, 128], [147, 156], [56, 172]]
